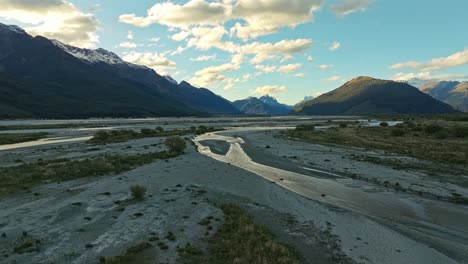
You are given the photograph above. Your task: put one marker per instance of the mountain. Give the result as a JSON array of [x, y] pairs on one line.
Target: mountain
[[416, 82], [265, 105], [306, 99], [42, 78], [366, 95], [451, 92]]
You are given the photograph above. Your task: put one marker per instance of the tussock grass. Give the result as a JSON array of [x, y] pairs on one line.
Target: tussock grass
[[18, 138], [31, 174], [240, 240], [138, 192]]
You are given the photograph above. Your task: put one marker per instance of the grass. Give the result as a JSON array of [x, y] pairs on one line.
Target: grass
[[240, 240], [423, 140], [114, 136], [31, 174], [18, 138]]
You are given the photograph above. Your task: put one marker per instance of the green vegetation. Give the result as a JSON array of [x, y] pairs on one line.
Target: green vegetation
[[51, 126], [129, 256], [18, 138], [114, 136], [138, 192], [441, 141], [28, 175], [175, 144], [28, 245], [240, 240]]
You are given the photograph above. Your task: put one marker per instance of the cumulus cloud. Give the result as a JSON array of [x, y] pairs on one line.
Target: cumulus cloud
[[299, 75], [310, 59], [55, 19], [457, 59], [156, 61], [428, 76], [127, 44], [346, 7], [270, 89], [289, 68], [334, 46], [194, 12], [215, 74], [253, 18]]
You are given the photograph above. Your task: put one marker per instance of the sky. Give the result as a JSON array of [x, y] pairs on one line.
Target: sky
[[285, 48]]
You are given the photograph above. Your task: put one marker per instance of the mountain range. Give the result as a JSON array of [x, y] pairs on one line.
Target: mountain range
[[265, 105], [369, 96], [451, 92], [42, 78]]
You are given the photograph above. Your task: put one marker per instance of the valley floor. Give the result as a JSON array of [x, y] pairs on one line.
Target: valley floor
[[78, 221]]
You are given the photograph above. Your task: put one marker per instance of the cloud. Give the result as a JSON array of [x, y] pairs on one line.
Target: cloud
[[289, 68], [457, 59], [270, 89], [127, 44], [180, 36], [310, 59], [299, 75], [179, 50], [154, 39], [214, 74], [55, 19], [266, 69], [325, 66], [252, 18], [156, 61], [204, 58], [194, 12], [130, 35], [268, 16], [427, 76], [334, 46], [346, 7], [204, 38], [333, 78]]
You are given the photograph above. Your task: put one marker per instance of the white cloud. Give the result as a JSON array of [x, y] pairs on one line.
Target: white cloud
[[334, 78], [289, 68], [325, 66], [130, 35], [179, 50], [154, 39], [55, 19], [270, 89], [204, 38], [457, 59], [127, 44], [266, 69], [156, 61], [180, 36], [334, 46], [204, 58], [346, 7], [428, 76], [194, 12], [310, 59], [299, 75], [253, 18], [214, 74], [268, 16]]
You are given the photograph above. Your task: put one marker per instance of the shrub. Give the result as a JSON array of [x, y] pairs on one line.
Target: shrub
[[146, 131], [343, 125], [397, 132], [441, 134], [138, 192], [433, 128], [175, 144], [460, 132], [384, 124], [305, 128], [159, 129], [101, 135]]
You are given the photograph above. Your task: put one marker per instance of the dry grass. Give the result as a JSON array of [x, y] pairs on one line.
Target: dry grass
[[18, 138], [240, 240]]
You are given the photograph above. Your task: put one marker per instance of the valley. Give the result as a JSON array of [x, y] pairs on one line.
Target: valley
[[318, 199]]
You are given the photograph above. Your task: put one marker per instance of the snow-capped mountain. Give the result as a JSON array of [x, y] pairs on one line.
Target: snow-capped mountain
[[93, 56]]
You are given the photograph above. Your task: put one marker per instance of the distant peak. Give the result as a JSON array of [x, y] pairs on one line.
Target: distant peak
[[170, 79]]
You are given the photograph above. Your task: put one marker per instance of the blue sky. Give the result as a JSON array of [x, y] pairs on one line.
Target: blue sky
[[321, 43]]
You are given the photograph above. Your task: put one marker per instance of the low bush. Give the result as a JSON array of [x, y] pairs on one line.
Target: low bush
[[433, 128], [397, 132], [175, 144], [383, 124], [305, 128], [138, 192]]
